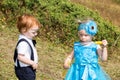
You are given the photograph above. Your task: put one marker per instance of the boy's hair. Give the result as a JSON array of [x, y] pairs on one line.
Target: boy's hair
[[26, 21]]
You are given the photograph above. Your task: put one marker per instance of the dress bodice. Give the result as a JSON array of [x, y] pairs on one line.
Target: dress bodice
[[85, 53]]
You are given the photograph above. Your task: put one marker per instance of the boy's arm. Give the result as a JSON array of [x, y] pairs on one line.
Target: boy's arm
[[21, 48], [25, 60]]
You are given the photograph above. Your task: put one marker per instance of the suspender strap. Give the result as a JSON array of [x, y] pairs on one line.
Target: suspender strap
[[16, 53]]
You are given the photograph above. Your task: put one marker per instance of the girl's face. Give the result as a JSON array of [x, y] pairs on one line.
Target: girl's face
[[83, 36], [32, 32]]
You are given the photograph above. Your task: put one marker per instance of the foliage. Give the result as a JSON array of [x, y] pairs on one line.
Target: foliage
[[59, 26], [58, 18], [117, 1]]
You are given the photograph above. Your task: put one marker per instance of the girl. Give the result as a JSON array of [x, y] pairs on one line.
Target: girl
[[85, 54], [25, 56]]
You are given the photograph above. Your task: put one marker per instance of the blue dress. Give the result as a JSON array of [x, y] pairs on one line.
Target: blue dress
[[85, 65]]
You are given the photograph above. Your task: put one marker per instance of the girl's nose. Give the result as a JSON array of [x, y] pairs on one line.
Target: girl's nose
[[83, 36]]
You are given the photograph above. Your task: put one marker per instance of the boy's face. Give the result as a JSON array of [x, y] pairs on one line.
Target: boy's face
[[83, 36], [32, 32]]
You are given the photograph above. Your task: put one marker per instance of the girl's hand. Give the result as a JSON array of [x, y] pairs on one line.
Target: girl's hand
[[67, 62], [104, 43]]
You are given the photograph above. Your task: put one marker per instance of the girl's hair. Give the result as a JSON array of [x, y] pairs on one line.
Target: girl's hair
[[26, 21], [84, 21]]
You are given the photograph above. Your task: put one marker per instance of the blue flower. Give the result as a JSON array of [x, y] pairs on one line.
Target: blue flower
[[90, 27]]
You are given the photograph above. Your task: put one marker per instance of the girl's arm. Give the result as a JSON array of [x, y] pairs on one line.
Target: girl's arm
[[68, 60], [102, 52]]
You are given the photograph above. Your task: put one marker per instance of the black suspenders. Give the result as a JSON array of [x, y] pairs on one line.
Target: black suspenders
[[16, 53]]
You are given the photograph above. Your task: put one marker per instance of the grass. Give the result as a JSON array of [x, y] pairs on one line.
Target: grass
[[51, 57], [108, 9]]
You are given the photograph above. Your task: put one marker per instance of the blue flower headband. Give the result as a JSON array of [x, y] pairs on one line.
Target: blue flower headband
[[89, 26]]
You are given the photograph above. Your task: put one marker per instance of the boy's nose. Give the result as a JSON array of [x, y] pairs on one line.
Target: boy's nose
[[36, 34]]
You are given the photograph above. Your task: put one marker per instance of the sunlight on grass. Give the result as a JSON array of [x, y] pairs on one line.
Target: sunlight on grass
[[108, 9], [51, 57]]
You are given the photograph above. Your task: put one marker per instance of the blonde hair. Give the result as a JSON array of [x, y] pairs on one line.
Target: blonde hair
[[26, 21], [84, 21]]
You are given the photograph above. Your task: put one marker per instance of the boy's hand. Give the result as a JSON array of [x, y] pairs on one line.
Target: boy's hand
[[34, 66]]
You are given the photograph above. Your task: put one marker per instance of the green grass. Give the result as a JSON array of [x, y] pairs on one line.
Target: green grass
[[51, 58]]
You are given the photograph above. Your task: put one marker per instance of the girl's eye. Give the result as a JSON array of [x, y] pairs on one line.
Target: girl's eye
[[83, 35]]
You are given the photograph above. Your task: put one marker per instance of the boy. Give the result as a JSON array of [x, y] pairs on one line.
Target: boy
[[25, 56]]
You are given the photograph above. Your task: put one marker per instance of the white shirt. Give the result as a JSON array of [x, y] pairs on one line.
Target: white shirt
[[24, 48]]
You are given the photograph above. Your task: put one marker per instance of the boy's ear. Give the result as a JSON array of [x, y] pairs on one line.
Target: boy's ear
[[23, 30]]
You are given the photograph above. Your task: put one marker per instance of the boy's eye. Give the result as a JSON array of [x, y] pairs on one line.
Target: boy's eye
[[34, 32]]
